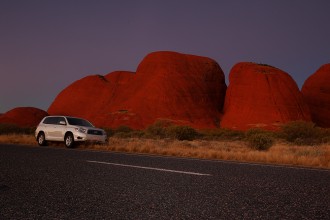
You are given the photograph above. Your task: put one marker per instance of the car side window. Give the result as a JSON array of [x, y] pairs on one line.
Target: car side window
[[54, 120], [61, 119], [49, 120]]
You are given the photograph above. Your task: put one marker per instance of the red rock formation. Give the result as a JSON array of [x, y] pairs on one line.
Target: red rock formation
[[88, 96], [23, 116], [316, 91], [185, 89], [112, 115], [261, 96]]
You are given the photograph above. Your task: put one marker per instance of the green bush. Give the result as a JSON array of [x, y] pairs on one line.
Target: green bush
[[302, 133], [260, 141], [182, 132]]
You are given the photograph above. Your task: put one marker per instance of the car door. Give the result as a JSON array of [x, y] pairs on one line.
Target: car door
[[48, 127], [59, 129], [53, 128], [62, 128]]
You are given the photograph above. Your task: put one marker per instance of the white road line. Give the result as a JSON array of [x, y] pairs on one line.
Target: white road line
[[150, 168]]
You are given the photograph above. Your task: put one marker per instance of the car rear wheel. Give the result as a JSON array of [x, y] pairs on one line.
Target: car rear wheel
[[41, 139], [68, 140]]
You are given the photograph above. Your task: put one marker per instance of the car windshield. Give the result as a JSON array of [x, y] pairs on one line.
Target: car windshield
[[79, 122]]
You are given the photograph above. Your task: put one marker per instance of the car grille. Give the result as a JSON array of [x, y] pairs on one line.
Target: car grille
[[94, 132]]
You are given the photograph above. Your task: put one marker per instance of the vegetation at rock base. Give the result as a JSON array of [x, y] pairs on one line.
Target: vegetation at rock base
[[297, 143], [182, 133], [158, 129], [14, 129], [303, 133], [260, 141]]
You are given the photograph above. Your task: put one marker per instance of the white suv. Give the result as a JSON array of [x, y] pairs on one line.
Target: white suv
[[69, 130]]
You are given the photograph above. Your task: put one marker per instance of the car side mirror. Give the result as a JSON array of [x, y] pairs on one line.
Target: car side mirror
[[62, 123]]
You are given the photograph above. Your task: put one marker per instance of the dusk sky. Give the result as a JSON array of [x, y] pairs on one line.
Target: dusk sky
[[47, 45]]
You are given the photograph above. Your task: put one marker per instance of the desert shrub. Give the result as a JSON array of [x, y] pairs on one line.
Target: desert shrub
[[222, 134], [253, 131], [122, 131], [181, 132], [325, 133], [110, 132], [301, 133], [127, 132], [158, 129], [259, 140], [14, 129]]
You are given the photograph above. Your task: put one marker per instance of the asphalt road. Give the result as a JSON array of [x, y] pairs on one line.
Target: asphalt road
[[58, 183]]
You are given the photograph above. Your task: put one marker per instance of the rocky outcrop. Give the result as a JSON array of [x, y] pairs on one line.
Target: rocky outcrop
[[89, 96], [184, 89], [23, 116], [262, 96], [316, 92]]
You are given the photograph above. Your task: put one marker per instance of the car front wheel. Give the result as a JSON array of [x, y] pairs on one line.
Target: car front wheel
[[69, 141]]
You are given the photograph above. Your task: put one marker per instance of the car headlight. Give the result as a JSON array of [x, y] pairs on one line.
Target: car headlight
[[81, 130]]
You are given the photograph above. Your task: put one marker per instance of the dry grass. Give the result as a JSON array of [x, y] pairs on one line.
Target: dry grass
[[280, 153], [18, 139]]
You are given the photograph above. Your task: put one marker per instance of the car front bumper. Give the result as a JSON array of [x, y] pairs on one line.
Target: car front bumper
[[80, 137]]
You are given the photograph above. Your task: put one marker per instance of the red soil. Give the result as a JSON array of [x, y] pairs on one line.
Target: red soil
[[316, 91], [23, 116], [262, 96], [185, 89]]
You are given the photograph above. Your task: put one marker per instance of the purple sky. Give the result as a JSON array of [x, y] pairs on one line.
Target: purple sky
[[47, 45]]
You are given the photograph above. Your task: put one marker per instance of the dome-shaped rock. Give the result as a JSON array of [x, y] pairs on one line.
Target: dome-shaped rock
[[316, 91], [262, 96], [185, 89], [23, 116], [89, 96]]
